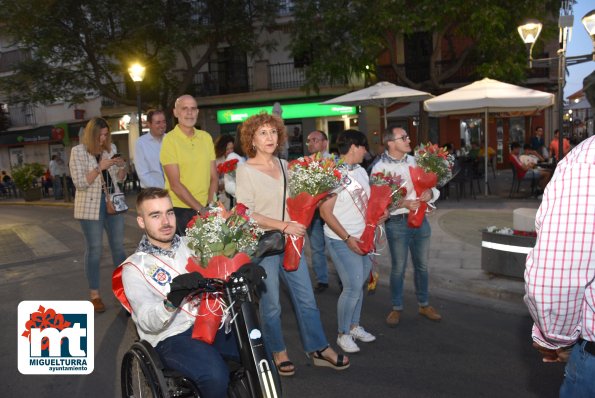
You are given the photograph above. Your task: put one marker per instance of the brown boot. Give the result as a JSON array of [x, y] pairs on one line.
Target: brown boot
[[393, 318], [430, 313]]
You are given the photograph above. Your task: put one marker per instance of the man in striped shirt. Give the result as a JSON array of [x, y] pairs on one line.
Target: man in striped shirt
[[560, 271]]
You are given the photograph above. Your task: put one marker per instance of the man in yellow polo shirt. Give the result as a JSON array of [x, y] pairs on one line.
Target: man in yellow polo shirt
[[188, 160]]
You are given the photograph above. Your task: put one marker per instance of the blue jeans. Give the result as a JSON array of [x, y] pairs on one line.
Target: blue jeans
[[57, 187], [203, 363], [316, 236], [401, 241], [93, 231], [578, 374], [353, 270], [306, 310]]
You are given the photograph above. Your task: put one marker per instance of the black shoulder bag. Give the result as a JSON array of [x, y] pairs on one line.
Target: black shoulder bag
[[272, 242]]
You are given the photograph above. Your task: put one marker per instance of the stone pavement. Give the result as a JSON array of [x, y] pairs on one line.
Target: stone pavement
[[455, 257]]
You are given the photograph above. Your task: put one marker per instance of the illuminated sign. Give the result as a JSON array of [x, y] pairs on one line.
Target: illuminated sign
[[295, 111]]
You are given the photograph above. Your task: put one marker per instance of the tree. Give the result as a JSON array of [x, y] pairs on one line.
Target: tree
[[79, 46], [342, 39]]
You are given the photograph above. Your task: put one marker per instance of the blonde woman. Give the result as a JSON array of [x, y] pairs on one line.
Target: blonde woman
[[93, 161]]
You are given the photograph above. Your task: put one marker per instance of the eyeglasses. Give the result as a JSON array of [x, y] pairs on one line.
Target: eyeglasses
[[313, 140], [404, 137]]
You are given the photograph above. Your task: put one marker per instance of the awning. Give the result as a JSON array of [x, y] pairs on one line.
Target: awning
[[51, 134]]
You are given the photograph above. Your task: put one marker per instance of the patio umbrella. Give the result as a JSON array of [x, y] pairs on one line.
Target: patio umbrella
[[485, 96], [383, 94]]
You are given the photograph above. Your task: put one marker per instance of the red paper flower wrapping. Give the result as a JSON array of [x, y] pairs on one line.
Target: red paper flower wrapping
[[379, 201], [301, 209], [422, 181], [210, 313]]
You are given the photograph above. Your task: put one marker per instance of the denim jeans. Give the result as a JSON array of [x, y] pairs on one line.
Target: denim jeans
[[578, 374], [402, 240], [306, 310], [316, 237], [183, 216], [203, 363], [93, 231], [57, 187], [353, 270]]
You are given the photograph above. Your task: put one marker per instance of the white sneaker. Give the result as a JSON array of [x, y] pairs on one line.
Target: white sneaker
[[347, 344], [359, 333]]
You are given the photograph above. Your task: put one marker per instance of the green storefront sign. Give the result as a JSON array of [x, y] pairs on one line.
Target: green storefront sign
[[295, 111]]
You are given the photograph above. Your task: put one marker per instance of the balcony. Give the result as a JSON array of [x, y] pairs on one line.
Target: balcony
[[21, 115], [262, 76]]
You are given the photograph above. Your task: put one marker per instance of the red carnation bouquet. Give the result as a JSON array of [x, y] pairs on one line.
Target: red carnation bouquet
[[311, 179], [386, 191], [228, 167], [222, 242]]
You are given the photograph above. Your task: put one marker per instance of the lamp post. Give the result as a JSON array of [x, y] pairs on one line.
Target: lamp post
[[137, 74], [529, 33]]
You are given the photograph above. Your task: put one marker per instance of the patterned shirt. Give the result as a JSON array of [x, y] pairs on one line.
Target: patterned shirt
[[560, 269], [147, 247]]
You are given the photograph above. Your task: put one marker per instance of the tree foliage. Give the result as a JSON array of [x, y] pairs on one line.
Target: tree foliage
[[341, 39], [82, 46]]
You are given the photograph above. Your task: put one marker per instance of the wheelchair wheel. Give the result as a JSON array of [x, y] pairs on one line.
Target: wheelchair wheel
[[140, 375]]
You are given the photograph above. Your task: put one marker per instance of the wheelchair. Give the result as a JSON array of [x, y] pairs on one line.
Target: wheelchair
[[144, 375]]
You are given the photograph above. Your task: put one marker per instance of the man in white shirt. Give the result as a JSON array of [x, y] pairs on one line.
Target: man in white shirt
[[318, 143], [401, 238], [146, 154], [153, 285]]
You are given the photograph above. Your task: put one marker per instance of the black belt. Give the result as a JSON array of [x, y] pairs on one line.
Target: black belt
[[399, 217], [589, 347]]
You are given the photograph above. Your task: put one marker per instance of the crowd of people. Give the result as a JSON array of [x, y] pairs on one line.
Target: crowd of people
[[178, 172], [180, 180]]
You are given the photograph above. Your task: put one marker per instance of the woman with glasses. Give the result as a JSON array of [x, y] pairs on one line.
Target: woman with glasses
[[260, 186]]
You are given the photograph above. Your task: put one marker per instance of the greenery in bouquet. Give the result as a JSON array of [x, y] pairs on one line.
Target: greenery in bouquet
[[432, 158], [396, 184], [313, 174], [223, 232]]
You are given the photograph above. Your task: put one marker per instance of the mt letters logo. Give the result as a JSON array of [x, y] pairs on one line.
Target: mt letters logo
[[56, 337]]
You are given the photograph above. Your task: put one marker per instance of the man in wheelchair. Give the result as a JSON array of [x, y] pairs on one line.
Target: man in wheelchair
[[153, 285]]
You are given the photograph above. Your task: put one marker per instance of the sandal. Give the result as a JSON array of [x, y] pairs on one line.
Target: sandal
[[289, 368], [320, 360], [285, 368]]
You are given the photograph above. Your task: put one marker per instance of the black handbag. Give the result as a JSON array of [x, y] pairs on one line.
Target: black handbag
[[272, 242]]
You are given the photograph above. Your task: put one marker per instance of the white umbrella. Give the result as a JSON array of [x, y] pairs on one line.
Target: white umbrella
[[487, 96], [383, 94]]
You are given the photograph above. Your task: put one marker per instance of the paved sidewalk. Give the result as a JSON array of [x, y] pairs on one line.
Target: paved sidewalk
[[455, 257]]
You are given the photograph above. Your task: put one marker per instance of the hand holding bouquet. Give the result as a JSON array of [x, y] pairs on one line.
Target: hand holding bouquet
[[311, 178], [222, 242], [434, 168], [433, 159], [386, 191]]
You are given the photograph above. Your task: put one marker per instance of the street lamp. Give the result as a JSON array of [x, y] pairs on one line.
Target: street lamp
[[529, 33], [137, 74]]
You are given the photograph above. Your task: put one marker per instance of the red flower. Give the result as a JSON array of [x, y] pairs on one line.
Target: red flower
[[227, 166], [192, 222], [241, 209]]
